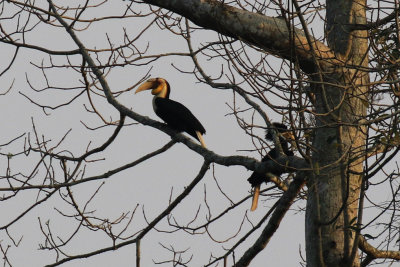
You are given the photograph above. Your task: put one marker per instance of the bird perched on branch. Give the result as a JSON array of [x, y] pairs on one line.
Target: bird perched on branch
[[176, 115], [256, 179]]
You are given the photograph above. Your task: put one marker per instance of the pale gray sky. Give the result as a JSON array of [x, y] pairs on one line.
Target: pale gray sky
[[149, 184]]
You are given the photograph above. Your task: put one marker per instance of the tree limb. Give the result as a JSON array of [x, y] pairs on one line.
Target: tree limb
[[150, 226], [268, 33], [292, 162], [283, 206], [374, 253]]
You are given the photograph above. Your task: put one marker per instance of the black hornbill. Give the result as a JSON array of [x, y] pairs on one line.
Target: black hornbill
[[256, 179], [176, 115]]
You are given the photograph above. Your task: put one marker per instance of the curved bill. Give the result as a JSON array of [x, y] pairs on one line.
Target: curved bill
[[149, 84]]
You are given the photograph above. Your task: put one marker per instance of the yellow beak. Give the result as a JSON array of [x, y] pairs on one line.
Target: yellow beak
[[149, 84]]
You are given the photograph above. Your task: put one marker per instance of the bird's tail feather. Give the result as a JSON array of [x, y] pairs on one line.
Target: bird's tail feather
[[201, 139], [256, 193]]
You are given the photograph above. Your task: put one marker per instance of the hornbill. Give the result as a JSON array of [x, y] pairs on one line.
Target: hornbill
[[176, 115], [256, 179]]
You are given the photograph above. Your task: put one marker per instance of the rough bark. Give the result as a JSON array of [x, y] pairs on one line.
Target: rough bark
[[268, 33], [334, 187], [340, 88]]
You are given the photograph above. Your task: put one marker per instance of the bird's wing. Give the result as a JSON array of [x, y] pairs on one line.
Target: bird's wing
[[178, 116]]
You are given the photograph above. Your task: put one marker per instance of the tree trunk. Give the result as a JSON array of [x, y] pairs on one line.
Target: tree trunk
[[334, 186], [340, 88]]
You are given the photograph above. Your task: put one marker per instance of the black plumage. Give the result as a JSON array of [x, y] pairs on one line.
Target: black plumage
[[176, 115], [256, 179]]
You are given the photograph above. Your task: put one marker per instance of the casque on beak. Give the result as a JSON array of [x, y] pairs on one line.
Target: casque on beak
[[149, 84]]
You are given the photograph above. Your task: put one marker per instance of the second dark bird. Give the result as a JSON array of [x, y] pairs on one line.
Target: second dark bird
[[256, 179]]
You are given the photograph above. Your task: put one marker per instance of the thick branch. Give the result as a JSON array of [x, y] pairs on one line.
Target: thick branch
[[374, 253], [376, 24], [268, 33]]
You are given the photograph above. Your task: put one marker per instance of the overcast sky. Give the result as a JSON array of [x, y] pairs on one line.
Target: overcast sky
[[149, 184]]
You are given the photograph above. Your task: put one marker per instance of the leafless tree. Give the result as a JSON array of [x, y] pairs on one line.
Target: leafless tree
[[329, 70]]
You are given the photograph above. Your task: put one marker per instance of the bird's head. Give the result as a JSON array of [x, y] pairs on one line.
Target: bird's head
[[282, 129], [159, 87]]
